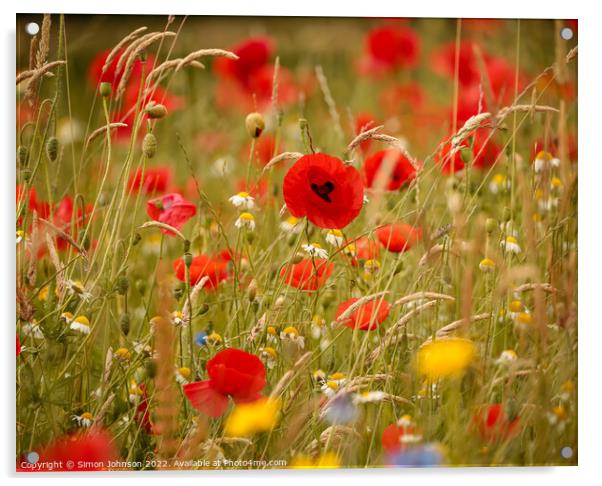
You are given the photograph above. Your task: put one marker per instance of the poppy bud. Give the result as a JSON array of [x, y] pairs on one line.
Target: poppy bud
[[187, 259], [490, 225], [22, 155], [149, 145], [250, 237], [507, 214], [122, 285], [466, 154], [137, 238], [52, 148], [156, 111], [398, 268], [255, 124], [141, 286], [105, 89], [252, 290], [151, 368], [125, 324], [186, 246]]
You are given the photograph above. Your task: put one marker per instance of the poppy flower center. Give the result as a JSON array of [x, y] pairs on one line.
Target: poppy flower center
[[323, 190]]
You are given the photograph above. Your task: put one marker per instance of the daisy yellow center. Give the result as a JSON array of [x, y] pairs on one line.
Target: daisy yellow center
[[271, 330], [337, 376], [511, 240], [271, 352], [524, 318], [247, 217], [516, 306], [243, 194], [184, 372], [86, 416], [82, 320], [292, 220], [335, 232], [291, 330]]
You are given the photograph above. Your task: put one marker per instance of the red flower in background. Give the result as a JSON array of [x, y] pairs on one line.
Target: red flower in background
[[450, 159], [171, 209], [150, 180], [363, 122], [401, 173], [402, 98], [443, 61], [397, 436], [308, 274], [232, 373], [493, 424], [84, 452], [265, 147], [111, 75], [215, 269], [486, 151], [390, 47], [367, 317], [63, 220], [142, 415], [253, 54], [398, 237], [18, 346], [321, 187]]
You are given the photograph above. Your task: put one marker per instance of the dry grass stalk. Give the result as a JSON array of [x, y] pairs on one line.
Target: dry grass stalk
[[139, 47], [423, 295], [193, 295], [100, 130], [546, 287], [66, 237], [192, 443], [398, 326], [449, 328], [261, 322], [332, 109], [357, 304], [205, 53], [34, 78], [103, 410], [33, 260], [54, 258], [283, 156], [299, 366], [33, 48], [274, 99], [115, 51], [169, 65], [333, 436], [165, 226], [399, 145], [362, 137], [44, 47], [507, 110], [473, 123]]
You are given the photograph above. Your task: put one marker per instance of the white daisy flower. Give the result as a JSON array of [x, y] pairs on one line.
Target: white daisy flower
[[318, 327], [487, 265], [291, 225], [80, 324], [33, 330], [86, 419], [75, 287], [315, 250], [498, 184], [507, 356], [183, 375], [510, 245], [245, 220], [333, 384], [369, 397], [269, 356], [243, 200], [365, 200], [335, 238], [177, 318], [545, 159], [20, 236], [291, 334]]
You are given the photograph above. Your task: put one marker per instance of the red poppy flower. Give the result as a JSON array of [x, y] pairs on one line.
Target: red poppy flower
[[443, 61], [450, 159], [253, 53], [150, 180], [111, 75], [308, 274], [402, 172], [493, 424], [171, 209], [321, 187], [390, 47], [232, 373], [396, 437], [215, 269], [398, 237], [363, 122], [362, 249], [367, 317], [142, 415], [63, 219], [402, 98], [18, 346], [486, 150], [471, 102], [502, 77], [265, 147], [88, 451]]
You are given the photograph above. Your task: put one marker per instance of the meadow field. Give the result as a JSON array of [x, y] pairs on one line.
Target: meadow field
[[257, 243]]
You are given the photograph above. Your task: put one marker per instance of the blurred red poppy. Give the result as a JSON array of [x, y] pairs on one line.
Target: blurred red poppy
[[396, 437], [321, 187], [390, 47], [18, 346], [265, 147], [87, 451], [400, 174], [111, 74], [253, 53], [232, 373], [443, 61], [363, 122], [398, 237], [308, 274], [493, 423], [215, 269], [402, 98], [64, 220], [171, 209], [150, 180], [486, 151], [142, 415], [367, 317]]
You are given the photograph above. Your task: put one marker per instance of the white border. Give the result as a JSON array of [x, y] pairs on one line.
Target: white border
[[590, 322]]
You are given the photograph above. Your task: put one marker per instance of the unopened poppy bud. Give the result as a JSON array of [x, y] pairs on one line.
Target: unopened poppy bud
[[136, 239], [186, 246], [105, 89], [122, 285], [149, 145], [22, 155], [507, 214], [187, 259], [156, 111], [141, 286], [255, 124], [490, 225], [52, 148], [466, 154], [398, 268], [125, 324], [250, 237]]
